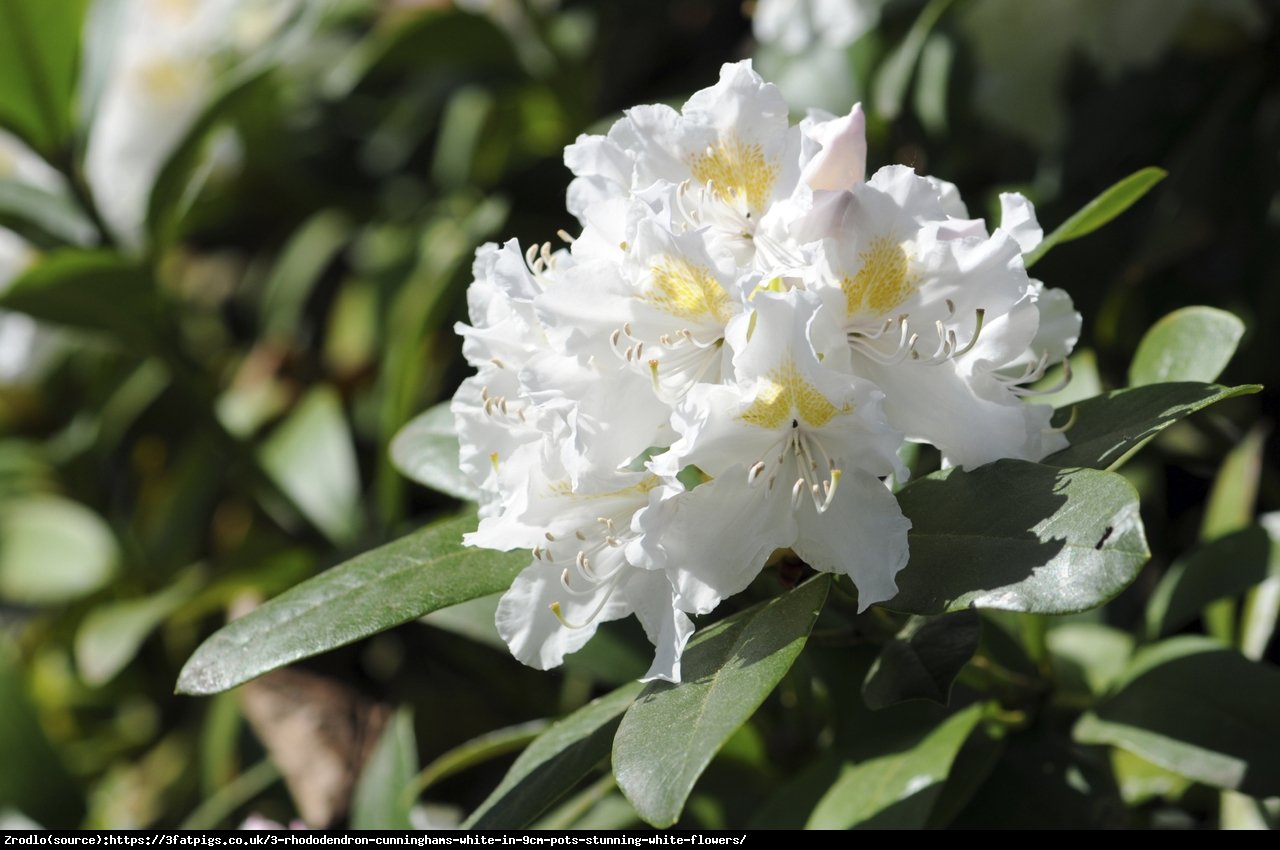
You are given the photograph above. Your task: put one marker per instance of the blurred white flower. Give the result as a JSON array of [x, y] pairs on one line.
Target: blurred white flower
[[797, 25]]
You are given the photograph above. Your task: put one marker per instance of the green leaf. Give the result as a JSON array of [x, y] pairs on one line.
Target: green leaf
[[1230, 508], [1195, 707], [380, 799], [896, 790], [1099, 211], [310, 250], [890, 87], [92, 290], [53, 550], [1109, 426], [1019, 536], [110, 636], [1220, 569], [672, 732], [554, 763], [1191, 344], [426, 450], [312, 459], [45, 218], [39, 47], [923, 659], [393, 584], [478, 750], [1088, 658], [36, 782]]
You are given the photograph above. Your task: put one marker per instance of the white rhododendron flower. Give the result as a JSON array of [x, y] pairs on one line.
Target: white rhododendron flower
[[726, 361]]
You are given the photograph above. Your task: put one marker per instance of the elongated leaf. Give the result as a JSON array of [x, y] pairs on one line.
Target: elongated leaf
[[426, 450], [1109, 426], [1088, 658], [46, 218], [923, 659], [304, 259], [891, 83], [39, 45], [672, 732], [1223, 568], [896, 790], [381, 799], [1019, 536], [1191, 344], [1193, 706], [1230, 508], [312, 458], [110, 636], [1100, 210], [393, 584], [554, 763], [53, 550], [92, 290]]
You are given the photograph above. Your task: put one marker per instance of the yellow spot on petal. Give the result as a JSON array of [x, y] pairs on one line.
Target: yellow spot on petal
[[493, 459], [882, 283], [737, 171], [688, 291], [786, 395]]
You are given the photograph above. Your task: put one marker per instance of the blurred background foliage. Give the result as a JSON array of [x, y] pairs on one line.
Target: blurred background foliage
[[243, 254]]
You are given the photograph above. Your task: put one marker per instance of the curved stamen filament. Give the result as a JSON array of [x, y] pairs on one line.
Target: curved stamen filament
[[595, 612]]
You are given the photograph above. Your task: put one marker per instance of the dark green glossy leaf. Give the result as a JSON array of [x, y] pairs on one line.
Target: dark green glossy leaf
[[393, 584], [896, 790], [92, 290], [1223, 568], [39, 47], [1019, 536], [1191, 344], [1107, 427], [426, 450], [1100, 210], [381, 799], [672, 732], [554, 763], [1193, 706], [923, 659]]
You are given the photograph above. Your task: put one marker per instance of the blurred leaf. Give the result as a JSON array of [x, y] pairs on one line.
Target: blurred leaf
[[933, 82], [35, 781], [381, 799], [1193, 706], [103, 33], [111, 634], [554, 763], [312, 459], [923, 659], [1230, 507], [1262, 604], [93, 290], [1191, 344], [216, 811], [890, 86], [393, 584], [426, 450], [39, 47], [53, 550], [1099, 211], [978, 757], [45, 218], [478, 750], [1019, 536], [897, 790], [669, 736], [1089, 655], [1141, 781], [1108, 426], [1235, 488], [1219, 569], [310, 250]]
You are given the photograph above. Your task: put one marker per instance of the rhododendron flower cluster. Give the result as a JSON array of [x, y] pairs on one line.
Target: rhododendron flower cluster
[[728, 358]]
